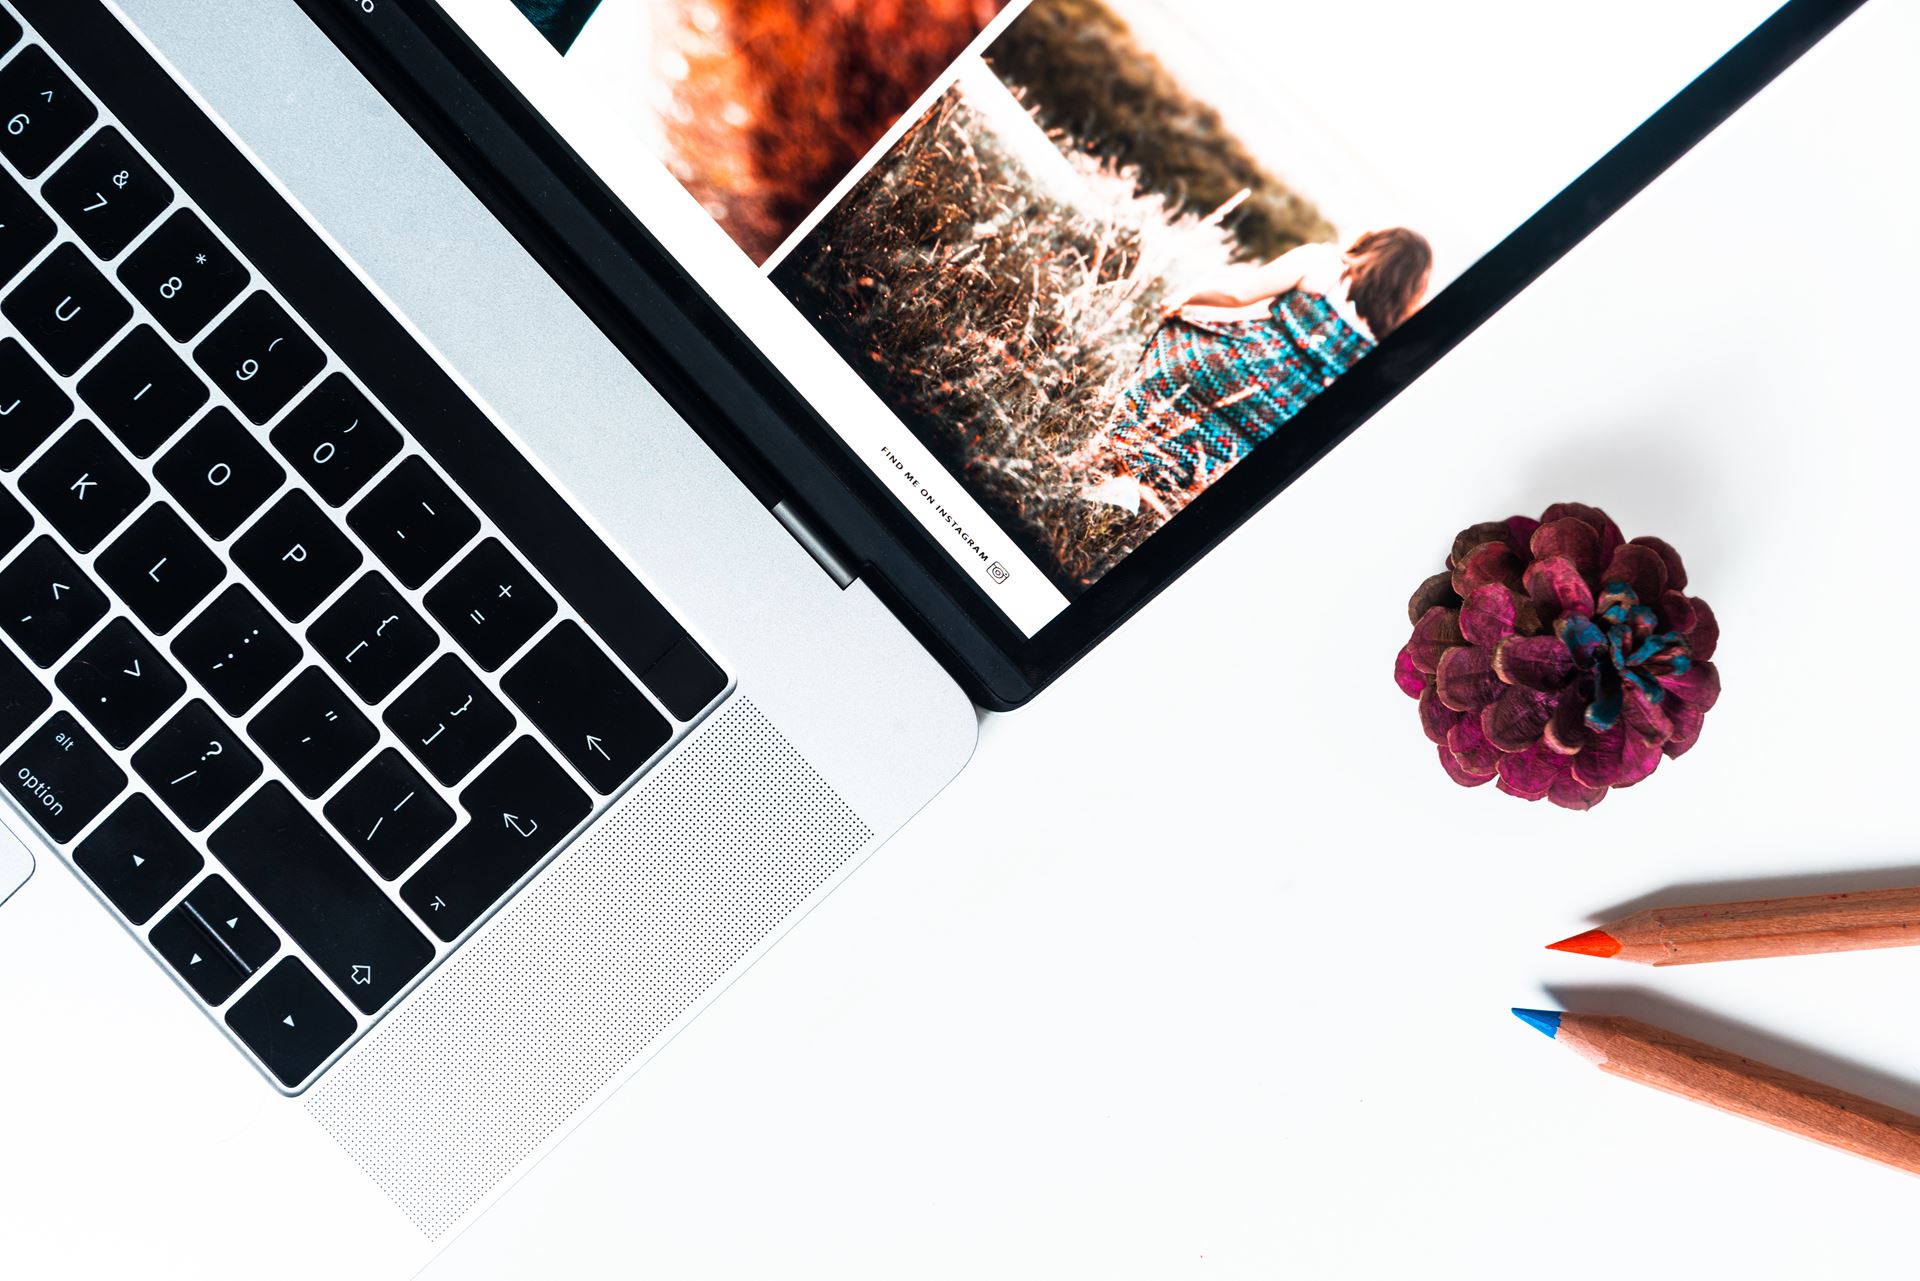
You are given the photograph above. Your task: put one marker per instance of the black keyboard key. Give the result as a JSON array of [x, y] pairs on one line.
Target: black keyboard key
[[138, 859], [449, 720], [321, 897], [47, 603], [215, 940], [390, 814], [196, 765], [160, 568], [32, 406], [233, 922], [188, 945], [120, 683], [599, 719], [184, 275], [143, 391], [107, 192], [296, 555], [220, 473], [522, 806], [61, 777], [337, 439], [290, 1022], [236, 650], [413, 522], [25, 229], [22, 697], [490, 604], [67, 309], [84, 485], [685, 679], [259, 357], [372, 637], [9, 31], [312, 732], [16, 522], [42, 111]]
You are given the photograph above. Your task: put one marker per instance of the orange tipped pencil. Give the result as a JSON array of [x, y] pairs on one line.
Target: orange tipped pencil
[[1667, 1061], [1759, 927]]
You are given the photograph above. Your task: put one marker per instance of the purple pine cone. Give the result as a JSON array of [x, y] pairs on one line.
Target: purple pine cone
[[1557, 659]]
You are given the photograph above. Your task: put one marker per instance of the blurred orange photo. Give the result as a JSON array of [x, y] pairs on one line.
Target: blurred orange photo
[[761, 107]]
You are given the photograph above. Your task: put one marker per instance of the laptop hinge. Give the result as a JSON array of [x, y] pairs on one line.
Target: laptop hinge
[[816, 544]]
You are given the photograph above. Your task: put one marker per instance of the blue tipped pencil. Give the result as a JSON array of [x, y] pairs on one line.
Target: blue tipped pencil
[[1666, 1061]]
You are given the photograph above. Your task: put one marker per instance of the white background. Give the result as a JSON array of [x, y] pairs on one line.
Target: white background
[[1201, 968]]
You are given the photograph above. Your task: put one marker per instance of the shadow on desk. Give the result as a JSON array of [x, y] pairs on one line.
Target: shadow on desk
[[1687, 893]]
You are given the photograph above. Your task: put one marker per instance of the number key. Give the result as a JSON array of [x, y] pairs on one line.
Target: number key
[[107, 193], [184, 275], [260, 357], [337, 440], [41, 112]]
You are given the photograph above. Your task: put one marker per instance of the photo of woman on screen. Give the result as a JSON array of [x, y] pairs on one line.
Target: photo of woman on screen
[[1235, 358]]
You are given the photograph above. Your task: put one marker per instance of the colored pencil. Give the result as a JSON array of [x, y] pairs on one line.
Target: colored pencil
[[1667, 1061], [1758, 927]]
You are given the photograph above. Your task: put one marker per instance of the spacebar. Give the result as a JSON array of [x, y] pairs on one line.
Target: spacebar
[[353, 933]]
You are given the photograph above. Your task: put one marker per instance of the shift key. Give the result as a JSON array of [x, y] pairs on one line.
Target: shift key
[[348, 927], [522, 806]]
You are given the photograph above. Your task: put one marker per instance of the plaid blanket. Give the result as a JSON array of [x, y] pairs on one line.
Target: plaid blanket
[[1205, 394]]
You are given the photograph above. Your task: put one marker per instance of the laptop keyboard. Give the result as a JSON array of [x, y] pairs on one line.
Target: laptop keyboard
[[284, 694]]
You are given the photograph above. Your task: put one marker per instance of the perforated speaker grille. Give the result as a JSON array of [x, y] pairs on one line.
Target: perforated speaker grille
[[582, 972]]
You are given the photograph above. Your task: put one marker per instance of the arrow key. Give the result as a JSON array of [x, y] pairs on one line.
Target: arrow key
[[214, 972], [237, 927], [138, 859], [290, 1022]]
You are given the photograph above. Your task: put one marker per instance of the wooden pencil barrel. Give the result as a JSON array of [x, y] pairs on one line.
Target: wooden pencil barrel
[[1771, 927], [1667, 1061]]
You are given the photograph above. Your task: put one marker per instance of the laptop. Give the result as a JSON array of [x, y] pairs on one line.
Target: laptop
[[504, 504]]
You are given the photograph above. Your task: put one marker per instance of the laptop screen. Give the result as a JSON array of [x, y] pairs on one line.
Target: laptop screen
[[1051, 268]]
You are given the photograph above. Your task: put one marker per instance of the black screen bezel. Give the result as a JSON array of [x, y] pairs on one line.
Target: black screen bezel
[[682, 340]]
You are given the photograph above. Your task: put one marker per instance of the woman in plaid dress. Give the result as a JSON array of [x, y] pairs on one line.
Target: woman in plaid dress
[[1233, 360]]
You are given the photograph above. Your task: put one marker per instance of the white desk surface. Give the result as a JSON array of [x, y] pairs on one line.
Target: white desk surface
[[1202, 967]]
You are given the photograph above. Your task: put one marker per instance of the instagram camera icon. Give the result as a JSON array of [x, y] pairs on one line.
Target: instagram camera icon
[[997, 572]]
